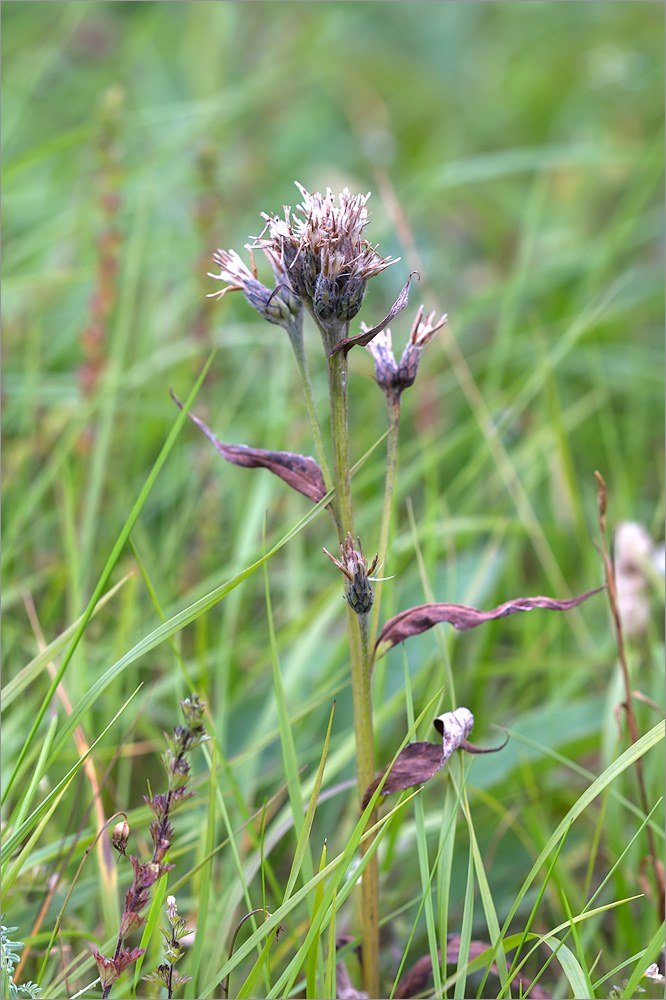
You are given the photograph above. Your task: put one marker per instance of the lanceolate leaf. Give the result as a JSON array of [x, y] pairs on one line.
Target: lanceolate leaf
[[364, 338], [300, 471], [421, 618]]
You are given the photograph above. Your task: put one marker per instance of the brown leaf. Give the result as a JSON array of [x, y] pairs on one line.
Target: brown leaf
[[421, 618], [364, 338], [417, 979], [419, 762], [300, 471], [415, 764]]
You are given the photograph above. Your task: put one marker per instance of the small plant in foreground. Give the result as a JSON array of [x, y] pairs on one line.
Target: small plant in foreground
[[165, 974], [145, 874], [10, 956], [322, 264]]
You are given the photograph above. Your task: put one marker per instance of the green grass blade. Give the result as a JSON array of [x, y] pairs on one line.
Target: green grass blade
[[313, 954], [30, 672], [304, 836], [12, 842], [106, 572], [465, 930]]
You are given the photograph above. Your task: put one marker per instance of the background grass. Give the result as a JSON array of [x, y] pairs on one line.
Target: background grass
[[515, 154]]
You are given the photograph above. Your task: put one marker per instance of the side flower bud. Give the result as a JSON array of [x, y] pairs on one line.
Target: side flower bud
[[355, 568], [280, 306], [120, 836], [394, 378]]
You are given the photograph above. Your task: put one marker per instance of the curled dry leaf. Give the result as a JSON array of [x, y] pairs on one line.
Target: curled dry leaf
[[419, 762], [300, 471], [417, 980], [424, 616], [364, 338]]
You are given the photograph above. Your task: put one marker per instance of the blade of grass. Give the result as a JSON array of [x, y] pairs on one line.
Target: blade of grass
[[447, 839], [313, 954], [39, 769], [341, 862], [28, 674], [422, 851], [581, 980], [330, 988], [289, 758], [13, 841], [625, 760], [106, 573], [465, 931], [206, 880], [304, 836]]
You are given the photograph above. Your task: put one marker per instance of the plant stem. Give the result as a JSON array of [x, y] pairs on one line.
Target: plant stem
[[393, 413], [337, 388], [357, 627], [365, 762]]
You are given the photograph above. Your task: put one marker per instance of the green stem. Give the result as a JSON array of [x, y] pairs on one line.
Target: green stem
[[357, 627], [393, 412], [365, 751]]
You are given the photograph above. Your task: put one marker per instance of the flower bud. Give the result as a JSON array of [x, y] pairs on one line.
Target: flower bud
[[120, 836], [355, 568]]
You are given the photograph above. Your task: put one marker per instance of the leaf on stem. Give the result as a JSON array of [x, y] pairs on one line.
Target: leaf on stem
[[424, 616], [364, 338], [299, 471], [419, 762]]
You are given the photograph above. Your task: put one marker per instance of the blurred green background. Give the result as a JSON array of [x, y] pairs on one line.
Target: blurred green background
[[515, 155]]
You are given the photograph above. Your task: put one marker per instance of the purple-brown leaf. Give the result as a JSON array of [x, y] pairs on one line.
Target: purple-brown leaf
[[300, 471], [419, 762], [364, 338], [421, 618]]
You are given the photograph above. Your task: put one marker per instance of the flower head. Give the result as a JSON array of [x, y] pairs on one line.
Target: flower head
[[320, 246], [280, 306]]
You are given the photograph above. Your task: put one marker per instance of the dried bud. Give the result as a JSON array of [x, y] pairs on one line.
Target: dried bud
[[353, 564], [120, 836]]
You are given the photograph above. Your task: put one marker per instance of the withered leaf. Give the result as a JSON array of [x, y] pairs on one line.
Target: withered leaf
[[414, 765], [364, 338], [418, 978], [300, 471], [424, 616], [419, 762]]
